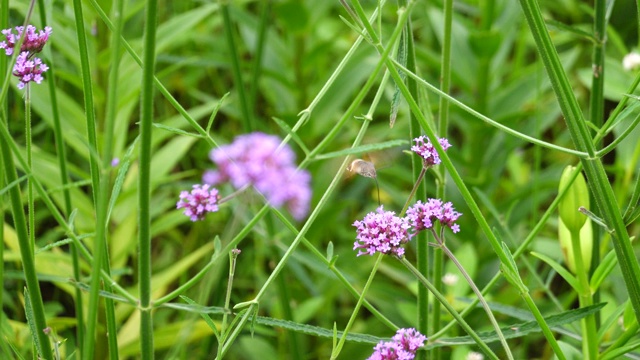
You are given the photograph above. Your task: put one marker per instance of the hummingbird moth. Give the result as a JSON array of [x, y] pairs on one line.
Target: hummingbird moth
[[366, 169]]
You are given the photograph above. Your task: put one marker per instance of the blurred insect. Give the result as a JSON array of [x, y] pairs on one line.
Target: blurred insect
[[366, 169]]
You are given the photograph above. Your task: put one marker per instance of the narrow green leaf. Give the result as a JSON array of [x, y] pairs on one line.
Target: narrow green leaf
[[566, 275], [522, 329], [330, 251], [286, 128], [603, 270], [12, 184], [362, 149], [177, 131], [207, 319], [28, 312], [215, 112]]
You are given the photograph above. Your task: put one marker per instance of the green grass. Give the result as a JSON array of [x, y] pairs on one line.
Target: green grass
[[510, 84]]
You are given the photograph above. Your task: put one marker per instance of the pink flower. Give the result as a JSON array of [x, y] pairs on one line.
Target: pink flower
[[425, 149], [28, 70], [198, 202], [422, 216], [256, 159], [403, 346], [33, 41], [383, 232]]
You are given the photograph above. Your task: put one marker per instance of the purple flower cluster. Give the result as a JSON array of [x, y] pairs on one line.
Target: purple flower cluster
[[425, 149], [198, 202], [384, 232], [403, 346], [422, 216], [257, 159], [28, 70], [28, 67], [33, 41], [381, 231]]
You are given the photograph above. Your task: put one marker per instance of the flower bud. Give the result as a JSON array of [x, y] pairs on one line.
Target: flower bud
[[572, 221], [576, 196]]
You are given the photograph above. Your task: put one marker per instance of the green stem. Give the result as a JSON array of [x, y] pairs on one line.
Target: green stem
[[144, 183], [543, 325], [596, 175], [89, 345], [247, 117], [479, 295], [413, 191], [107, 155], [61, 153], [588, 324], [26, 253], [4, 108], [336, 351], [442, 300], [30, 198]]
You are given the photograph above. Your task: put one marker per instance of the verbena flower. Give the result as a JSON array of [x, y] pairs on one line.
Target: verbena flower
[[198, 202], [256, 159], [425, 149], [28, 70], [33, 41], [403, 346], [381, 231], [422, 216]]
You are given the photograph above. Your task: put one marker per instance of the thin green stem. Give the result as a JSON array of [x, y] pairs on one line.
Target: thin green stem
[[107, 155], [257, 57], [89, 345], [557, 350], [61, 153], [336, 351], [442, 300], [247, 116], [596, 176], [4, 108], [589, 332], [28, 147], [26, 252], [416, 185], [144, 182], [479, 295]]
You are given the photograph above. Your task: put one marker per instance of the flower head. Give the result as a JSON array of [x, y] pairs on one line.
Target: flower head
[[421, 216], [381, 231], [28, 70], [403, 346], [198, 202], [631, 61], [257, 159], [425, 149], [33, 41]]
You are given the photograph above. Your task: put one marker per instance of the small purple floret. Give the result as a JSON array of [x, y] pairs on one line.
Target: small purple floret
[[28, 70], [33, 41], [381, 231], [425, 149], [403, 346], [422, 216], [198, 202]]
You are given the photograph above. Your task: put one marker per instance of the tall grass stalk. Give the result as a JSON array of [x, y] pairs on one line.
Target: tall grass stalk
[[144, 182], [61, 153], [4, 109], [26, 252]]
